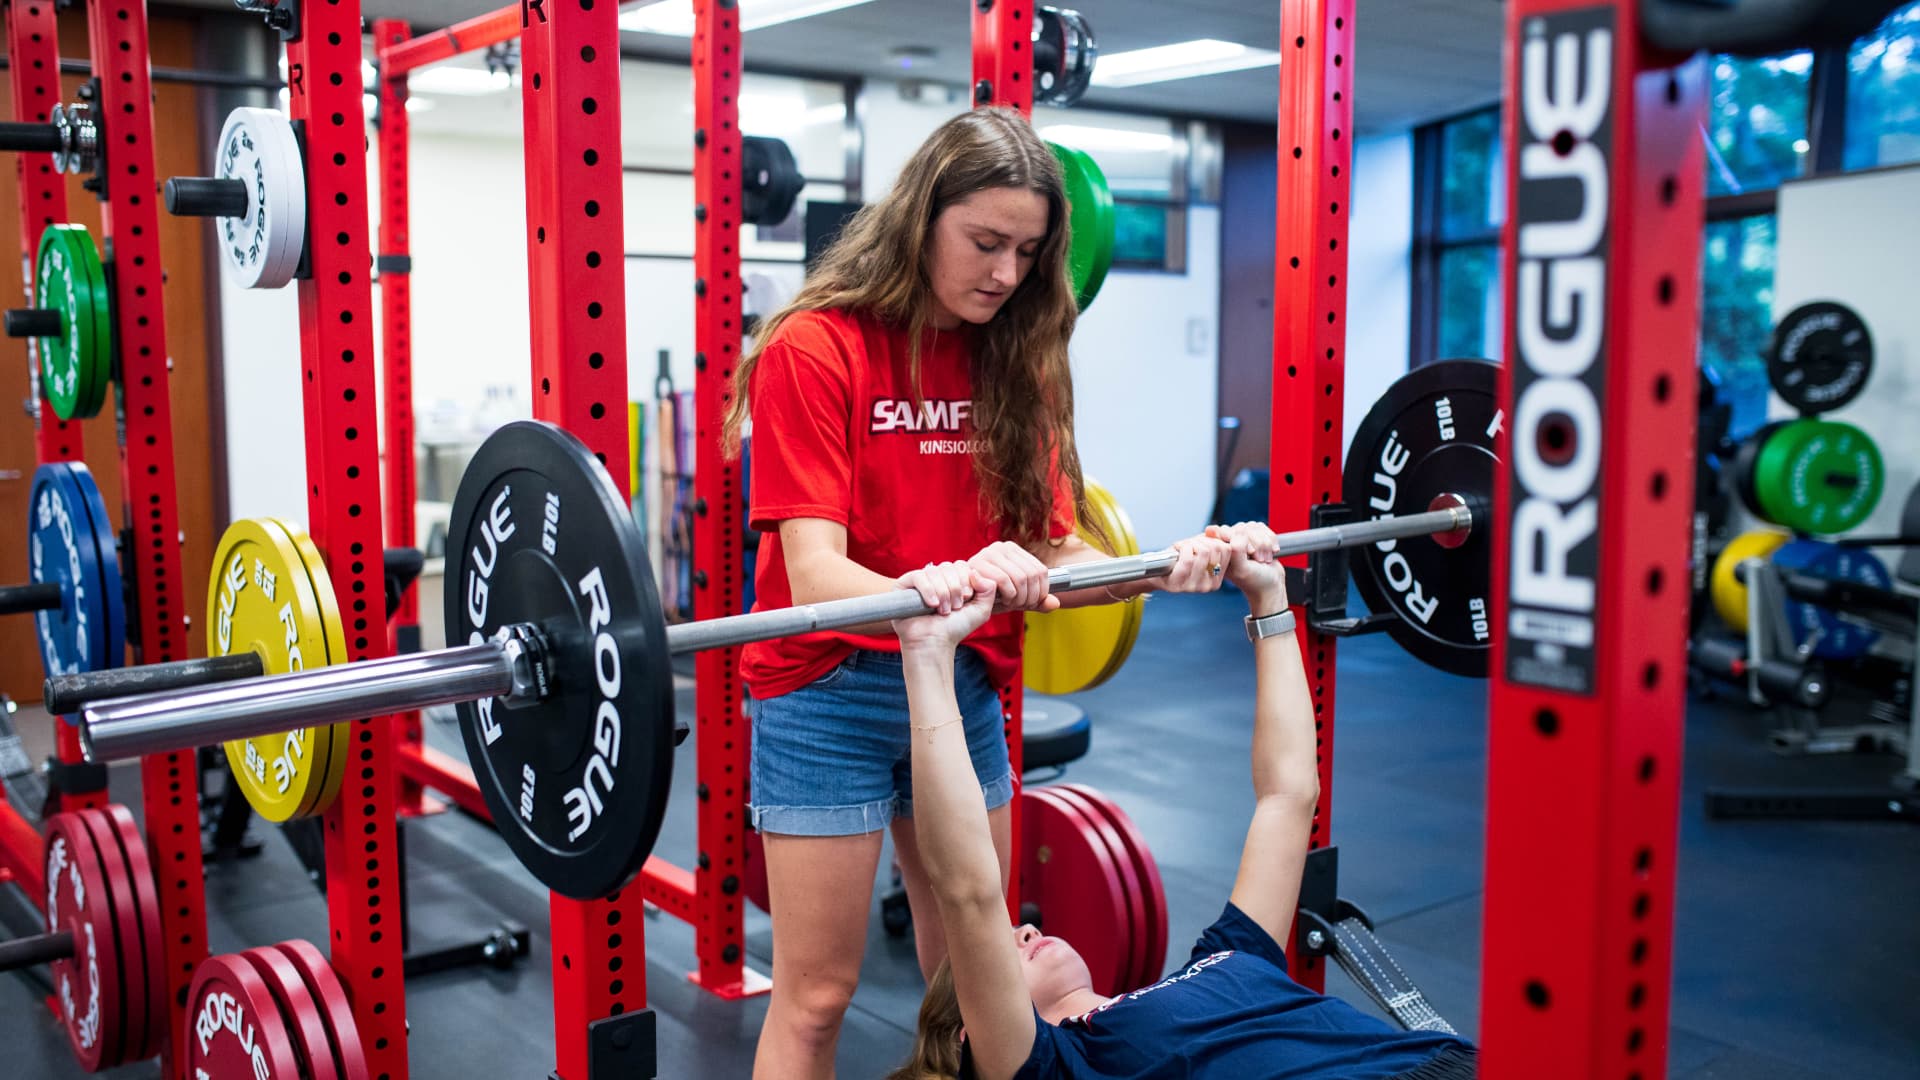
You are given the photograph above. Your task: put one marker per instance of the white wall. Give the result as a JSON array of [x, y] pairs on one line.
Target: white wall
[[1850, 239], [1379, 268]]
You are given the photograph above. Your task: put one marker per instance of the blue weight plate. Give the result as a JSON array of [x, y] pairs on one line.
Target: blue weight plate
[[61, 549], [110, 582], [1840, 639]]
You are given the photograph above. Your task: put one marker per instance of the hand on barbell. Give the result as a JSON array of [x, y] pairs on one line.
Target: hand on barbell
[[961, 597], [1019, 578], [1255, 566], [1201, 566]]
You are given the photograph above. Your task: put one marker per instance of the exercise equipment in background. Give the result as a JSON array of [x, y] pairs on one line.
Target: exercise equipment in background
[[1079, 648]]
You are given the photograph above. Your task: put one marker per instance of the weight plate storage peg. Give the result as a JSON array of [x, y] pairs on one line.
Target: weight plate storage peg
[[539, 536], [70, 545], [1433, 431], [263, 599], [71, 322], [1817, 476], [257, 196], [1820, 357], [1833, 637]]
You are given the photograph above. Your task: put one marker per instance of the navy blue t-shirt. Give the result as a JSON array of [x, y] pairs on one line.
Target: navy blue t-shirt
[[1232, 1012]]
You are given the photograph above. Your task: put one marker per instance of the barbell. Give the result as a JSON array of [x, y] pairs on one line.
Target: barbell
[[562, 679]]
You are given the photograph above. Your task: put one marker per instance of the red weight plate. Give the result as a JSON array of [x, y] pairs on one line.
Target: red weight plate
[[1136, 952], [87, 985], [234, 1027], [1065, 870], [146, 896], [302, 1014], [325, 987], [755, 878], [128, 932], [1149, 873]]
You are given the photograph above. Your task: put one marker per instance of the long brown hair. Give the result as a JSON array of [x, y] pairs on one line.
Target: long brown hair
[[1022, 387], [936, 1040]]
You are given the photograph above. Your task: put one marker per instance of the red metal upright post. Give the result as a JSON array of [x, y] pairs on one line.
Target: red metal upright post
[[162, 595], [340, 377], [721, 731], [1003, 54], [570, 89], [33, 50], [394, 262], [1003, 75], [1602, 250], [33, 44], [1310, 322]]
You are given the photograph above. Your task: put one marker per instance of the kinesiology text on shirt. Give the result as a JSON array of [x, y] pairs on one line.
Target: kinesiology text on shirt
[[1193, 969], [944, 416]]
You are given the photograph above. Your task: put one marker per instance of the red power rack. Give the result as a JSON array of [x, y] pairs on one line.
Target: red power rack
[[1588, 696], [1310, 325], [344, 508]]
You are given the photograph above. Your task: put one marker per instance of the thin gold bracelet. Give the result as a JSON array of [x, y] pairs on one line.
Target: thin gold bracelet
[[1117, 598], [931, 728]]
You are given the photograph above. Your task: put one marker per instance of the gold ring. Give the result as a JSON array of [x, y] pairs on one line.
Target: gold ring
[[1213, 570]]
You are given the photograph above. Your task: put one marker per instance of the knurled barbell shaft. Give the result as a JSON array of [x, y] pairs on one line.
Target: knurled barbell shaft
[[67, 693], [39, 596], [156, 723]]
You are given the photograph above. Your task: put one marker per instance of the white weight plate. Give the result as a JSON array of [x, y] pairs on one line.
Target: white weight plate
[[256, 146]]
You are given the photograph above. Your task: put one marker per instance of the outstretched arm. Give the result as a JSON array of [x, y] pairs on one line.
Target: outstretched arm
[[950, 823], [1286, 776]]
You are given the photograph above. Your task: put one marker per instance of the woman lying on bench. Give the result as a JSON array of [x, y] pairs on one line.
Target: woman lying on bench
[[1012, 1003]]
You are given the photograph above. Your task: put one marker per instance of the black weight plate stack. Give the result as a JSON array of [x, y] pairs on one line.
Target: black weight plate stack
[[1431, 433], [1819, 357], [577, 783]]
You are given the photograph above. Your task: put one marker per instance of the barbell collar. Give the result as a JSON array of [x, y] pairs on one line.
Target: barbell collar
[[65, 694], [33, 323], [37, 596], [514, 665]]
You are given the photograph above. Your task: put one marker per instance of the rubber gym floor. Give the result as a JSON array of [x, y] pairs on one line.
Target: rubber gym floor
[[1794, 942]]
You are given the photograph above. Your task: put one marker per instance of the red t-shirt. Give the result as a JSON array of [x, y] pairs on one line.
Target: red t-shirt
[[836, 435]]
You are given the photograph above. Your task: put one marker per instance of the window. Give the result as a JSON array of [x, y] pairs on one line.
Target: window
[[1736, 313], [1147, 161], [1770, 120], [1460, 205], [1883, 94], [1757, 128]]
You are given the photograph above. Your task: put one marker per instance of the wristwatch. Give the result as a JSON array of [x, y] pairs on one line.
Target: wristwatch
[[1267, 626]]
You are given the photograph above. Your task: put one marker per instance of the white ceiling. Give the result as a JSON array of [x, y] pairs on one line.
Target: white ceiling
[[1416, 59]]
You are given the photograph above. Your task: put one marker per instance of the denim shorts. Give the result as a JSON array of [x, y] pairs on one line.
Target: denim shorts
[[833, 757]]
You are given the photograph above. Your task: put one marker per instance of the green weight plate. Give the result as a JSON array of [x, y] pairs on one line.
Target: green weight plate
[[1089, 222], [262, 599], [1818, 476], [68, 278]]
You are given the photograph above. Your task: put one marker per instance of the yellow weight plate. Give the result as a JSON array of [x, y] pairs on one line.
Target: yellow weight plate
[[1120, 527], [1729, 593], [337, 736], [261, 600], [1075, 649]]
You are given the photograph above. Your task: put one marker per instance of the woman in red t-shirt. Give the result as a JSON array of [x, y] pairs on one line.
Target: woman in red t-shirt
[[912, 404]]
